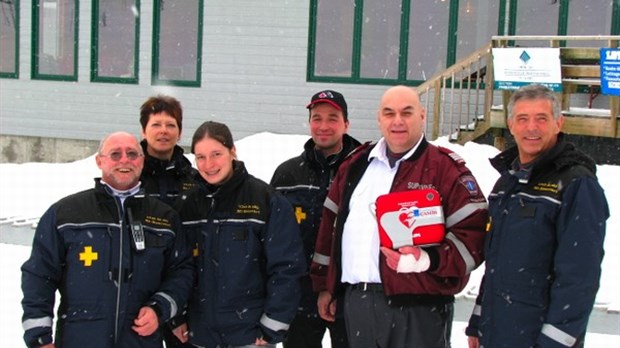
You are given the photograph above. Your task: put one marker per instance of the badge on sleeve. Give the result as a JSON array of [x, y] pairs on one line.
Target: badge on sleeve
[[470, 184]]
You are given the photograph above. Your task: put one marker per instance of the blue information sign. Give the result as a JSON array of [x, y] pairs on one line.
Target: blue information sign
[[610, 71]]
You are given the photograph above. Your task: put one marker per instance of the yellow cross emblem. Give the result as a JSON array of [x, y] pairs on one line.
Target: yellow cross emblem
[[299, 214], [88, 256]]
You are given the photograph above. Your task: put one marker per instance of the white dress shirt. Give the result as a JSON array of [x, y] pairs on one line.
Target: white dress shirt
[[360, 238]]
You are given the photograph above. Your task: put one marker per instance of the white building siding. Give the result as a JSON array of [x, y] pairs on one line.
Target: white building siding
[[253, 79]]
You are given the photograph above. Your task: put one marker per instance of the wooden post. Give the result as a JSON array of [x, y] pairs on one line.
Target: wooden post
[[436, 108], [499, 141], [506, 94]]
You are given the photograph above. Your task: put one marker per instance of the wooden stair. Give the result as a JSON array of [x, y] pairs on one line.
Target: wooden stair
[[581, 80]]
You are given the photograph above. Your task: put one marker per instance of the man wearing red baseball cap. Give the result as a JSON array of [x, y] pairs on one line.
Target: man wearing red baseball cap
[[304, 181], [333, 98]]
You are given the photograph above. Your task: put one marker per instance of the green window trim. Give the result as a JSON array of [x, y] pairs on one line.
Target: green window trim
[[615, 22], [506, 25], [15, 73], [35, 66], [94, 58], [355, 77], [155, 79]]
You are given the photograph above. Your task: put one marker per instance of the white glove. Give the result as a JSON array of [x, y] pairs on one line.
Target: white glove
[[407, 259]]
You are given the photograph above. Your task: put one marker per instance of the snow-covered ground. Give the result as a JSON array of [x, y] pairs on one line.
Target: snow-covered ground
[[27, 190]]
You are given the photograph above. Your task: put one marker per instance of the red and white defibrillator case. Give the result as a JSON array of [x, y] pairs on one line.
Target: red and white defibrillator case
[[412, 217]]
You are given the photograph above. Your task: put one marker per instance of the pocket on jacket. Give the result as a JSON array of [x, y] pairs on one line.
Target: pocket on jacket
[[83, 312], [241, 259], [153, 257], [248, 311], [533, 292], [83, 332], [80, 323]]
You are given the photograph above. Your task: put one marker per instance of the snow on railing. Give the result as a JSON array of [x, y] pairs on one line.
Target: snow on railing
[[19, 221]]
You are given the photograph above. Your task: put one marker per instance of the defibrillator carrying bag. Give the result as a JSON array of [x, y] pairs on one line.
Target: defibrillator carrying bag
[[412, 217]]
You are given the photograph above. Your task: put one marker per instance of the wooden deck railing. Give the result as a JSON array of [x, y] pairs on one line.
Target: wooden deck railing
[[462, 104], [456, 97]]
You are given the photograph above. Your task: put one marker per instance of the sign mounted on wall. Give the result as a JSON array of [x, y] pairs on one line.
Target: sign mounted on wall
[[610, 71], [514, 67]]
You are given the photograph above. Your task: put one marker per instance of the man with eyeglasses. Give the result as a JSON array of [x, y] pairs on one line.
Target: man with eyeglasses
[[115, 257]]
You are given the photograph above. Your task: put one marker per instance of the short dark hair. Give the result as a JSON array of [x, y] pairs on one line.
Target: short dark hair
[[161, 103], [213, 130]]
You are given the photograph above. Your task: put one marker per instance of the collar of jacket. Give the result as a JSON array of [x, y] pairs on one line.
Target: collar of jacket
[[418, 152], [229, 186], [178, 163], [348, 145], [562, 155], [107, 199]]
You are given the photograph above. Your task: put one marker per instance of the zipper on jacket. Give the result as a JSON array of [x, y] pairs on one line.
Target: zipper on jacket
[[215, 246], [119, 279], [215, 255]]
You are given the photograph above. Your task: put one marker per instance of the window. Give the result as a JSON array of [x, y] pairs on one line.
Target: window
[[428, 39], [585, 19], [54, 28], [115, 41], [380, 39], [395, 41], [177, 42], [407, 41], [564, 17], [478, 22], [9, 37], [536, 17], [332, 49]]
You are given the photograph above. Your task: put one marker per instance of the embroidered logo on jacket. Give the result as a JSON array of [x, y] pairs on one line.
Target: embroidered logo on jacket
[[88, 256], [418, 186], [186, 186], [157, 221], [547, 187], [248, 209]]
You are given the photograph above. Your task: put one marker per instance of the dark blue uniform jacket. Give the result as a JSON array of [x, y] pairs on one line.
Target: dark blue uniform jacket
[[249, 258], [304, 180], [84, 249], [543, 251]]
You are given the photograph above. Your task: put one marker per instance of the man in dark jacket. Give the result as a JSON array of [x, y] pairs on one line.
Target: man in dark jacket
[[115, 257], [304, 181], [402, 297], [544, 245]]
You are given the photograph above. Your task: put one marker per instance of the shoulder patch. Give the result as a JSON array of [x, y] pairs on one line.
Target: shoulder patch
[[470, 184], [453, 155]]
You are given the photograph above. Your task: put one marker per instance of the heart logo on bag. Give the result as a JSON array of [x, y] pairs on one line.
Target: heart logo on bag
[[406, 217]]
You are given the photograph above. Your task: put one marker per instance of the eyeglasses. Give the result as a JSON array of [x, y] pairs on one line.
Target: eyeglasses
[[118, 155]]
